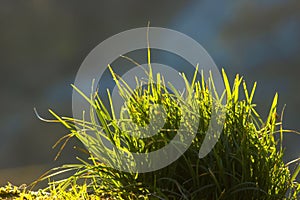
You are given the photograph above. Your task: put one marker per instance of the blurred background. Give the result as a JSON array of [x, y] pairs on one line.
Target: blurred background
[[42, 45]]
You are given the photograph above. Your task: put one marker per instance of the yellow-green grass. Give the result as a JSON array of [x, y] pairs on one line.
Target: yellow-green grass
[[246, 163]]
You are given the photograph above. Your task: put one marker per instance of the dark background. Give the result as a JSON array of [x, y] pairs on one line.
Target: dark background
[[42, 44]]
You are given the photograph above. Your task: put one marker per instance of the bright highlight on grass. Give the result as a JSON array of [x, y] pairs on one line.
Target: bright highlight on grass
[[246, 163]]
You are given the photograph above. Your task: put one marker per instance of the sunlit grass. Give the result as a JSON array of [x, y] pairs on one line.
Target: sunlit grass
[[246, 162]]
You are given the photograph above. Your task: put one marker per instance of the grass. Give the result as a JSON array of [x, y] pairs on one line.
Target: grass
[[246, 163]]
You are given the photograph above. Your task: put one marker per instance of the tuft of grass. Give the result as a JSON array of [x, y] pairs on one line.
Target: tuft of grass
[[246, 163]]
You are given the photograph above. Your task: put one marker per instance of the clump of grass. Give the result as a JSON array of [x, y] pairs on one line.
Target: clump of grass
[[246, 162]]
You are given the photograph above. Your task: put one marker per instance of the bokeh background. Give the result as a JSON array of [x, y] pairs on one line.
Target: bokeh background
[[42, 44]]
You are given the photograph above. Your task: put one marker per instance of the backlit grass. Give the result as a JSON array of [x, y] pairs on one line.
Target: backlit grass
[[246, 162]]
